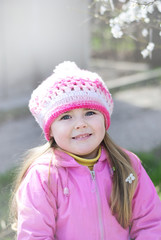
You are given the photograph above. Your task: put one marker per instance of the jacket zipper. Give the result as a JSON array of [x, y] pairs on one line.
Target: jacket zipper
[[98, 205]]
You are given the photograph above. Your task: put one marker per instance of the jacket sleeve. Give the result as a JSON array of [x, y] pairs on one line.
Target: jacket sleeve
[[146, 220], [36, 206]]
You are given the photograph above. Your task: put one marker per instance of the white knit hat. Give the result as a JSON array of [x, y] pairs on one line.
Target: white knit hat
[[69, 88]]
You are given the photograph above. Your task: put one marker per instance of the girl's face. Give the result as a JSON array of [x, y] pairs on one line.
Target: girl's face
[[79, 131]]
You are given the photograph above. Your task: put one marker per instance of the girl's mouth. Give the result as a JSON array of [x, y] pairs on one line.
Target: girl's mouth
[[82, 136]]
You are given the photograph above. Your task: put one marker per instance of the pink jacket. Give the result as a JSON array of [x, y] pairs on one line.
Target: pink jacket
[[75, 205]]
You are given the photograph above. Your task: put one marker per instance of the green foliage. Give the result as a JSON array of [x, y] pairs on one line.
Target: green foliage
[[152, 164], [6, 180]]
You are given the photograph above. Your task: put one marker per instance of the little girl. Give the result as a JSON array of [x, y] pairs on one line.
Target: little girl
[[81, 185]]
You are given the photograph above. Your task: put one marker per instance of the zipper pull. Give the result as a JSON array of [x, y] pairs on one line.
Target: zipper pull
[[93, 189], [92, 174]]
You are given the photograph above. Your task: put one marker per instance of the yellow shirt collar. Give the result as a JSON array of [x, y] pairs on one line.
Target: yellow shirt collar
[[86, 162]]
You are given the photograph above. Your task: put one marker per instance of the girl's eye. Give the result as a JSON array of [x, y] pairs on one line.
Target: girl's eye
[[90, 113], [65, 117]]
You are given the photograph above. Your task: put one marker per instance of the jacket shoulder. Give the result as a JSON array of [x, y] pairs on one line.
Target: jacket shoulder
[[42, 171]]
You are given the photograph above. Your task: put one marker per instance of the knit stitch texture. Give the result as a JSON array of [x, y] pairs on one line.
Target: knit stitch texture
[[69, 88]]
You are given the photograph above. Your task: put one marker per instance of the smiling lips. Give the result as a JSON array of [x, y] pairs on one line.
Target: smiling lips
[[82, 136]]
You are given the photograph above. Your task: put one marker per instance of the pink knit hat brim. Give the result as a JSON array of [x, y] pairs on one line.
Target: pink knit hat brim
[[52, 115]]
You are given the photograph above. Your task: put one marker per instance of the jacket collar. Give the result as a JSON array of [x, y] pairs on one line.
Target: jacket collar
[[62, 159]]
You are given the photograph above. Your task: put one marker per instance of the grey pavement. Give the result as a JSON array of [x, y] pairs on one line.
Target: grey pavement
[[135, 124], [136, 121]]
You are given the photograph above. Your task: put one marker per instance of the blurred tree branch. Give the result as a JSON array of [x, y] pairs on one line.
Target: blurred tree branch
[[138, 19]]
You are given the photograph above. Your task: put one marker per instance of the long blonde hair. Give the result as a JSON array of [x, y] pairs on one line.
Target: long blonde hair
[[122, 192]]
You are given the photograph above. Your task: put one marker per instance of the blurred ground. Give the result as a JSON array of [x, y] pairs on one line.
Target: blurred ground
[[136, 120]]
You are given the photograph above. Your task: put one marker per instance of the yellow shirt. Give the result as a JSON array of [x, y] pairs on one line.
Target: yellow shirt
[[86, 162]]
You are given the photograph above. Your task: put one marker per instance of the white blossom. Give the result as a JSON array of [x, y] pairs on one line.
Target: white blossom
[[102, 9], [148, 50], [125, 17], [145, 32], [145, 53], [147, 20], [150, 46], [116, 31]]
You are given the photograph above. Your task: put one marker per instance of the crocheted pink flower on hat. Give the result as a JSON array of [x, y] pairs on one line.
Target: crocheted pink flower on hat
[[69, 87]]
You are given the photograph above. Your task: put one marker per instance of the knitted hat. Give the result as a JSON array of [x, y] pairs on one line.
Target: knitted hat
[[69, 88]]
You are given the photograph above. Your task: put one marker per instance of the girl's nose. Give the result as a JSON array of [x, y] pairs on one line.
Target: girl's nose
[[80, 125]]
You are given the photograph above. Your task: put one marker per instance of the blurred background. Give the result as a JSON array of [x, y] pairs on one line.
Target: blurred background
[[38, 35]]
